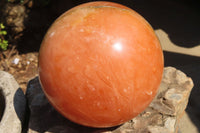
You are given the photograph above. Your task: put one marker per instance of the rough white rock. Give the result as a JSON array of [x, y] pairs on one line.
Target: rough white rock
[[15, 104]]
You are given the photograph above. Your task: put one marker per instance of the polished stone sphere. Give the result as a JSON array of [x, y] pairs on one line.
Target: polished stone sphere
[[100, 64]]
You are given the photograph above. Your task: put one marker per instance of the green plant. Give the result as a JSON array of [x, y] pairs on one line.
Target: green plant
[[3, 41]]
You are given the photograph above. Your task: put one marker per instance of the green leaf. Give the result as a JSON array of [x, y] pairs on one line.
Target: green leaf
[[4, 32], [5, 41], [4, 46], [2, 26], [1, 32]]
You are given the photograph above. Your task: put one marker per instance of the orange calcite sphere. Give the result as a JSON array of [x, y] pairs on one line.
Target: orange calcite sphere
[[100, 64]]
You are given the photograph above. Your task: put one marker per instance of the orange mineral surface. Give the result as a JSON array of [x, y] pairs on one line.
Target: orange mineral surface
[[100, 64]]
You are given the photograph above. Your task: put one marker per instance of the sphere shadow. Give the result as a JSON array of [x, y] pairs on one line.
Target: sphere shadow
[[19, 103]]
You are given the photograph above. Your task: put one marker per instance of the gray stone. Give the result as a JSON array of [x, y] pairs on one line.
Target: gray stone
[[15, 104], [177, 88], [156, 129], [162, 115]]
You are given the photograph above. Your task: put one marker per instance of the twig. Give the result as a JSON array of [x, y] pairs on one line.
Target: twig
[[11, 51]]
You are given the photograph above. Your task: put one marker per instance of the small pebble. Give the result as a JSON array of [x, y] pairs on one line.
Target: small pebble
[[15, 61]]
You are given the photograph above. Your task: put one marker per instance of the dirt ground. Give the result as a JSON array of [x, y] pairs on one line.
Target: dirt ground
[[22, 66], [27, 21]]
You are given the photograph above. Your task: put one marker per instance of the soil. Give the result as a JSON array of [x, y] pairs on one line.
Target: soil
[[26, 23], [22, 66]]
